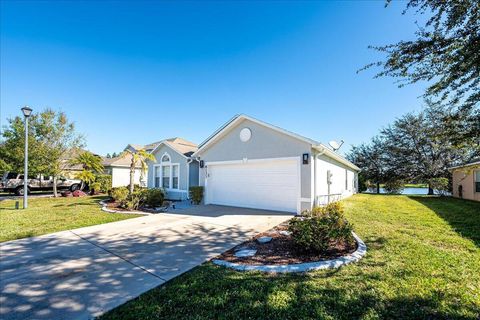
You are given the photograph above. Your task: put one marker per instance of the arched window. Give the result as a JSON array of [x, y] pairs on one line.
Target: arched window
[[165, 158]]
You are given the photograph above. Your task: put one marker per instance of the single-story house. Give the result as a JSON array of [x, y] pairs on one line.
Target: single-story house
[[173, 169], [466, 180], [250, 163], [72, 170], [119, 167]]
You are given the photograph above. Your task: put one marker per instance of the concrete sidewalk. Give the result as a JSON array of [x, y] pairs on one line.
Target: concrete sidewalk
[[82, 273]]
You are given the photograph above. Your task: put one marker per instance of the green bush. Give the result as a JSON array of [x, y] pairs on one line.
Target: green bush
[[136, 199], [442, 185], [317, 229], [154, 197], [105, 181], [394, 186], [94, 187], [196, 194], [119, 194]]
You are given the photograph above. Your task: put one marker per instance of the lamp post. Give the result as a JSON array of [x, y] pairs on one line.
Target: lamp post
[[27, 111]]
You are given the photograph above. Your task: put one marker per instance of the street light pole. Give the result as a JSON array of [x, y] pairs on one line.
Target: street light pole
[[26, 113]]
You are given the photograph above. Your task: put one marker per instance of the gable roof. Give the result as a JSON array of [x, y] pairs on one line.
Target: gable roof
[[468, 164], [180, 145], [238, 118], [120, 161]]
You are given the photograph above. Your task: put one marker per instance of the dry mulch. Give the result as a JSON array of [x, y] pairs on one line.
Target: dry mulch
[[116, 206], [282, 250]]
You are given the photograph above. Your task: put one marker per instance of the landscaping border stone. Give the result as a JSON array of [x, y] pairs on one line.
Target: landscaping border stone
[[103, 203], [302, 267]]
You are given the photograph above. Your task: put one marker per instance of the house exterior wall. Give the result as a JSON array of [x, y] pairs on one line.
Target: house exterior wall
[[121, 176], [193, 174], [343, 180], [466, 178], [175, 158], [264, 143]]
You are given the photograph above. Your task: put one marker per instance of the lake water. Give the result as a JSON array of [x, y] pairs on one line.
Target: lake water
[[408, 190]]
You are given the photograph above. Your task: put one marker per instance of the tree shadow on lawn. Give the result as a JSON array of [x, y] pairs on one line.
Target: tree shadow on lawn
[[462, 215], [211, 292]]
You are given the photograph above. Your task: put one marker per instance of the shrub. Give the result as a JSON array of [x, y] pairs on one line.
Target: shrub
[[394, 186], [136, 199], [105, 182], [442, 185], [196, 194], [318, 228], [95, 187], [154, 197], [119, 194]]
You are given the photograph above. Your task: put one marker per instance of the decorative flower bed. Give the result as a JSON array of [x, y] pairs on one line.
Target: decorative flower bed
[[320, 238], [282, 250]]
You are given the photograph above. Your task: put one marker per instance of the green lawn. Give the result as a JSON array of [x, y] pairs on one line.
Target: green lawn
[[423, 262], [46, 215]]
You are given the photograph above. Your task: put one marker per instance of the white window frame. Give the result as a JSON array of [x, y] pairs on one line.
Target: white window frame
[[170, 180]]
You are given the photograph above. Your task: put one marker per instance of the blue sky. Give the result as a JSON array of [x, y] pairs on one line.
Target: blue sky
[[138, 72]]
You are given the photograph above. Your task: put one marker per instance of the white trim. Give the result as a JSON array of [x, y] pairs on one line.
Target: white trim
[[212, 163], [235, 120], [299, 195], [245, 161], [329, 153], [170, 180], [231, 123], [305, 200]]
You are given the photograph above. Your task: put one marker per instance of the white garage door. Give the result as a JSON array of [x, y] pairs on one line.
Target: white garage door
[[265, 184]]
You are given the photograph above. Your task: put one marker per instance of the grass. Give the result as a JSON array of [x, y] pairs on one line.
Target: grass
[[423, 262], [46, 215]]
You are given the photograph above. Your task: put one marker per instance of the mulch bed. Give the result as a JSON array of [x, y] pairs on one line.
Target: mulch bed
[[115, 206], [282, 250]]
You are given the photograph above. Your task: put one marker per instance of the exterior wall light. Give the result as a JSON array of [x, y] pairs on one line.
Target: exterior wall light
[[305, 158]]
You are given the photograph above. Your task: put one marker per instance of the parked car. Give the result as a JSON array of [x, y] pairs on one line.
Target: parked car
[[13, 182]]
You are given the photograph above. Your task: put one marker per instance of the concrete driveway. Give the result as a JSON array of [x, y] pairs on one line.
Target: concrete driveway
[[82, 273]]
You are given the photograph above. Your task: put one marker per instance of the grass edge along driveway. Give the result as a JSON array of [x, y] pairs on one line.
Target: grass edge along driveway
[[422, 263], [48, 215]]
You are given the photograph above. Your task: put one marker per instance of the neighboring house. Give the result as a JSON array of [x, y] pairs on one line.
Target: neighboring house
[[69, 170], [119, 167], [466, 181], [174, 170], [249, 163]]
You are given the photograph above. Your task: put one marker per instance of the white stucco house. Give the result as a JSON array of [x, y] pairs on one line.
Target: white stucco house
[[119, 167], [174, 169], [250, 163]]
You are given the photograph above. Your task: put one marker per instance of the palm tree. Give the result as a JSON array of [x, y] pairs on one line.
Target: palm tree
[[90, 163], [138, 157]]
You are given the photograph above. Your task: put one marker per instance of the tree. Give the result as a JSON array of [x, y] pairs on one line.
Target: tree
[[445, 53], [12, 147], [416, 148], [58, 136], [371, 158], [108, 156], [138, 157], [90, 163], [51, 134]]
